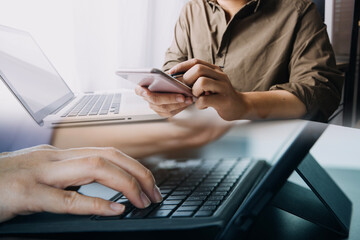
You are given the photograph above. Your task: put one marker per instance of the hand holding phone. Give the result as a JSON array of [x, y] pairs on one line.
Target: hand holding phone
[[156, 80]]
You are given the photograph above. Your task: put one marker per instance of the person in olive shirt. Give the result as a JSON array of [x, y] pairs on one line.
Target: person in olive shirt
[[256, 59]]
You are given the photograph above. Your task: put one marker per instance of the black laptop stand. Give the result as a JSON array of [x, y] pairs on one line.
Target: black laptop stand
[[325, 204]]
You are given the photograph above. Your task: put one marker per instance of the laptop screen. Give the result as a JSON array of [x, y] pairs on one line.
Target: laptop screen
[[30, 75]]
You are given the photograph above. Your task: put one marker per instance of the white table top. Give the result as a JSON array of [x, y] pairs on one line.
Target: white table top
[[337, 147]]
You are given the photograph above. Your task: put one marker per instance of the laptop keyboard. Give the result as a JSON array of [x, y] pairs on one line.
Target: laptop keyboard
[[97, 104], [193, 188]]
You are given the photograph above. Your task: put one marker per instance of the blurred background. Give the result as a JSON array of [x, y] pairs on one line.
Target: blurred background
[[87, 40]]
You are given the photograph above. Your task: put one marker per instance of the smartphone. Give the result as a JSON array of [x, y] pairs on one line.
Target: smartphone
[[155, 80]]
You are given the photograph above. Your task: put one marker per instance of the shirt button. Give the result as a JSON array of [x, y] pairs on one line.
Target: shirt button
[[220, 55]]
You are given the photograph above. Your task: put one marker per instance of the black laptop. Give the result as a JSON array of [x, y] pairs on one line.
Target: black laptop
[[208, 199]]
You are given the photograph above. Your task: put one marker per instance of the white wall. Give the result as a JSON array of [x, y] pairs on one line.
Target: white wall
[[87, 40], [329, 16]]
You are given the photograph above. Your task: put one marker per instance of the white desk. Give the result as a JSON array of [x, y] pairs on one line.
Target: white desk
[[337, 147], [259, 139]]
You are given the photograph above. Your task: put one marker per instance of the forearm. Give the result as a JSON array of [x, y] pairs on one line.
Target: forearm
[[271, 105], [190, 128]]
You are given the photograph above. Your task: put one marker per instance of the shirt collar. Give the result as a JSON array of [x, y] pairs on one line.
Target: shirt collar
[[214, 5]]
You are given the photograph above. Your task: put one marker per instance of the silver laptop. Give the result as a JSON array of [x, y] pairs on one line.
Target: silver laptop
[[34, 81]]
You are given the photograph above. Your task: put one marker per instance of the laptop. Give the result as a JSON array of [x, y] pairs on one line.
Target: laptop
[[206, 199], [33, 80]]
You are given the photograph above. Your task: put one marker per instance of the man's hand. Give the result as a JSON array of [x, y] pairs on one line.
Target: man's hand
[[164, 104], [32, 180], [213, 88]]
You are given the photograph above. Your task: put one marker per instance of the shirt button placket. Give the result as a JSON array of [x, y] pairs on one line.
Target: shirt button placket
[[220, 59]]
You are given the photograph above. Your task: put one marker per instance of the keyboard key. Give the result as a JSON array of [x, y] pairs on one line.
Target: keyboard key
[[208, 208], [166, 207], [211, 203], [189, 184], [229, 180], [216, 198], [215, 178], [188, 188], [196, 193], [225, 184], [209, 184], [222, 189], [97, 106], [204, 189], [196, 198], [128, 206], [106, 107], [195, 178], [160, 214], [204, 214], [210, 180], [171, 182], [217, 174], [181, 193], [72, 112], [182, 214], [231, 177], [171, 197], [192, 203], [85, 111], [171, 202], [187, 208], [139, 213], [165, 186], [216, 193]]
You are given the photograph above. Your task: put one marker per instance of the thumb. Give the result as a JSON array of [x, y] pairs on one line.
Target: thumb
[[55, 200]]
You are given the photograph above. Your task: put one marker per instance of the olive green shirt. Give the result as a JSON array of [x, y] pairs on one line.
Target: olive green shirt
[[267, 45]]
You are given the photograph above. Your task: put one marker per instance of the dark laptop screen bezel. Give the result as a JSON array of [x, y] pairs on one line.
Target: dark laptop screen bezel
[[287, 161], [51, 107]]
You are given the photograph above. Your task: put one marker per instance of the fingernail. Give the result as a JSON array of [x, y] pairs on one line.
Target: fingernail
[[117, 207], [180, 99], [143, 93], [157, 194], [146, 201], [188, 101]]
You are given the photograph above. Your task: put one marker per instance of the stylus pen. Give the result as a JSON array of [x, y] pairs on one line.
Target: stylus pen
[[178, 75]]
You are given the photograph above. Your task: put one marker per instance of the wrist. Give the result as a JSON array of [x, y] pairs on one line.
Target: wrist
[[246, 106]]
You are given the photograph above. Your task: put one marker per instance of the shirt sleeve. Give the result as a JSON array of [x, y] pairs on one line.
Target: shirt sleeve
[[313, 75], [178, 51]]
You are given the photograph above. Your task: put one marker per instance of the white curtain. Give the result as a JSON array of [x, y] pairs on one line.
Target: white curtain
[[88, 40]]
